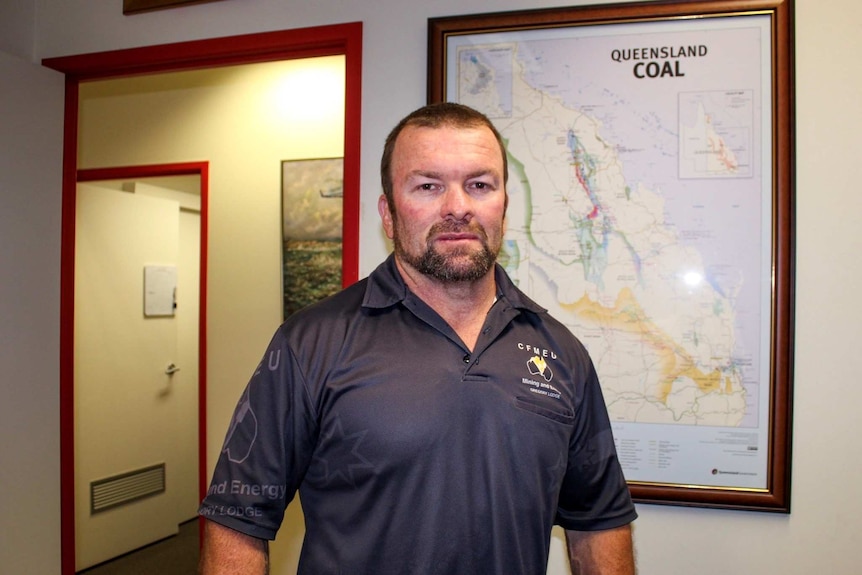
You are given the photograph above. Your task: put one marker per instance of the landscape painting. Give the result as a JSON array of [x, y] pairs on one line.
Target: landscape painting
[[312, 214]]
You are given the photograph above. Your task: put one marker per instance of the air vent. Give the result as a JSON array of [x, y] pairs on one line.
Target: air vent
[[126, 487]]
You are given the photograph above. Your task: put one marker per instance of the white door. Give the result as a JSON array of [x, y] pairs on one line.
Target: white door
[[126, 416]]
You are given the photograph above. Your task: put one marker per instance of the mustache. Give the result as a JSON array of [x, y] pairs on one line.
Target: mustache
[[457, 227]]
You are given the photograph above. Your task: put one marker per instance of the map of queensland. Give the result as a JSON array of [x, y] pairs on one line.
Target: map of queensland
[[635, 210]]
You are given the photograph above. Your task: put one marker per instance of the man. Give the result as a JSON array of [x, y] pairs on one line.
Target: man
[[432, 417]]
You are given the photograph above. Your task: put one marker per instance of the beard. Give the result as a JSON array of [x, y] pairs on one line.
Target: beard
[[462, 264]]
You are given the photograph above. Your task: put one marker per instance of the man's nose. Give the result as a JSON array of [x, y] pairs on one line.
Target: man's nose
[[457, 203]]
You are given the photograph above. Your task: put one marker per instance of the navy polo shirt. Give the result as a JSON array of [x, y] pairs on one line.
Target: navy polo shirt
[[413, 454]]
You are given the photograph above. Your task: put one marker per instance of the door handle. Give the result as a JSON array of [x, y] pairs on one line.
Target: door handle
[[171, 369]]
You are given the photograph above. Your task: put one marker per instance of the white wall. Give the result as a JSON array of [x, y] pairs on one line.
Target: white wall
[[819, 535], [31, 128], [17, 28]]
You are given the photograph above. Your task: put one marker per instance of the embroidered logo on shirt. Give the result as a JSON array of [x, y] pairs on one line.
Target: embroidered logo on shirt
[[339, 457], [539, 369], [539, 351], [538, 366], [243, 427], [243, 431]]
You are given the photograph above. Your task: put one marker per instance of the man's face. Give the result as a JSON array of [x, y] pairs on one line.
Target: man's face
[[450, 202]]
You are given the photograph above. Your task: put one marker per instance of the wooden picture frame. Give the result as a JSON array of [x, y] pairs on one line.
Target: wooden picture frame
[[137, 6], [651, 149]]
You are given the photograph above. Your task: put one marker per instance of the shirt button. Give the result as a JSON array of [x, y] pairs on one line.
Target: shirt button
[[467, 358]]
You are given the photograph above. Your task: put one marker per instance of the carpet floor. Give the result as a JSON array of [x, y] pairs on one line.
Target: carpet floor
[[177, 555]]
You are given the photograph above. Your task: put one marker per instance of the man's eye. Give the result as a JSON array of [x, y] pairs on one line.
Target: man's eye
[[426, 187]]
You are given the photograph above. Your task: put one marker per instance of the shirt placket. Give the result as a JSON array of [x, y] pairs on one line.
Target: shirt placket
[[499, 316]]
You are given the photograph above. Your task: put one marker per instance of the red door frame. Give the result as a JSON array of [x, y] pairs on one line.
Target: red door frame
[[337, 39]]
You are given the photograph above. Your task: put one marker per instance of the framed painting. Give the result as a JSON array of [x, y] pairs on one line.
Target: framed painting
[[312, 193], [650, 149]]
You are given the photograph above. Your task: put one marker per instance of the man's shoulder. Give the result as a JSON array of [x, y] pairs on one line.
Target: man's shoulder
[[345, 303], [554, 331]]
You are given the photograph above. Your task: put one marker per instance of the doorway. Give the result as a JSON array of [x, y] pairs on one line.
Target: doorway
[[137, 347], [344, 39]]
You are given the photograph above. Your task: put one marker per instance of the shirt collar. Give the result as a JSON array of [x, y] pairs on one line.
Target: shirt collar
[[386, 288]]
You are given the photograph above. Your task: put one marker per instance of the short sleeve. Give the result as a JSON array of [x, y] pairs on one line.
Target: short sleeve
[[266, 449], [594, 494]]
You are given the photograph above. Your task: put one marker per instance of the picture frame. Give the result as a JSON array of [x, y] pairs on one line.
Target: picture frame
[[312, 193], [650, 149], [137, 6]]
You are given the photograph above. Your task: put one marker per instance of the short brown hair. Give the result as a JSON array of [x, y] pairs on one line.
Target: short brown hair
[[436, 116]]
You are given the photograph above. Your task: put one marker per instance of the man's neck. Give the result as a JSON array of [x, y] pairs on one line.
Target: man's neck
[[463, 305]]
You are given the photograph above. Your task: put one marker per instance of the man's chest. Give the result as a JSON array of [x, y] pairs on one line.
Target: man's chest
[[429, 403]]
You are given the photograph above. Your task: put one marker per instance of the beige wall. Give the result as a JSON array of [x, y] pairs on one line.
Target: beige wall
[[819, 536]]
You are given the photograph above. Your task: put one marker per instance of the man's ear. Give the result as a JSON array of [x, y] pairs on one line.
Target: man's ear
[[385, 216]]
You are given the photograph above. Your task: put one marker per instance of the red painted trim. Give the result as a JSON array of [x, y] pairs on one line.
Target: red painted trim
[[268, 46], [67, 332], [352, 155], [202, 335], [143, 171], [262, 47]]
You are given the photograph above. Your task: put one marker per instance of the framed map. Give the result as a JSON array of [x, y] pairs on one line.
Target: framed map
[[650, 150]]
